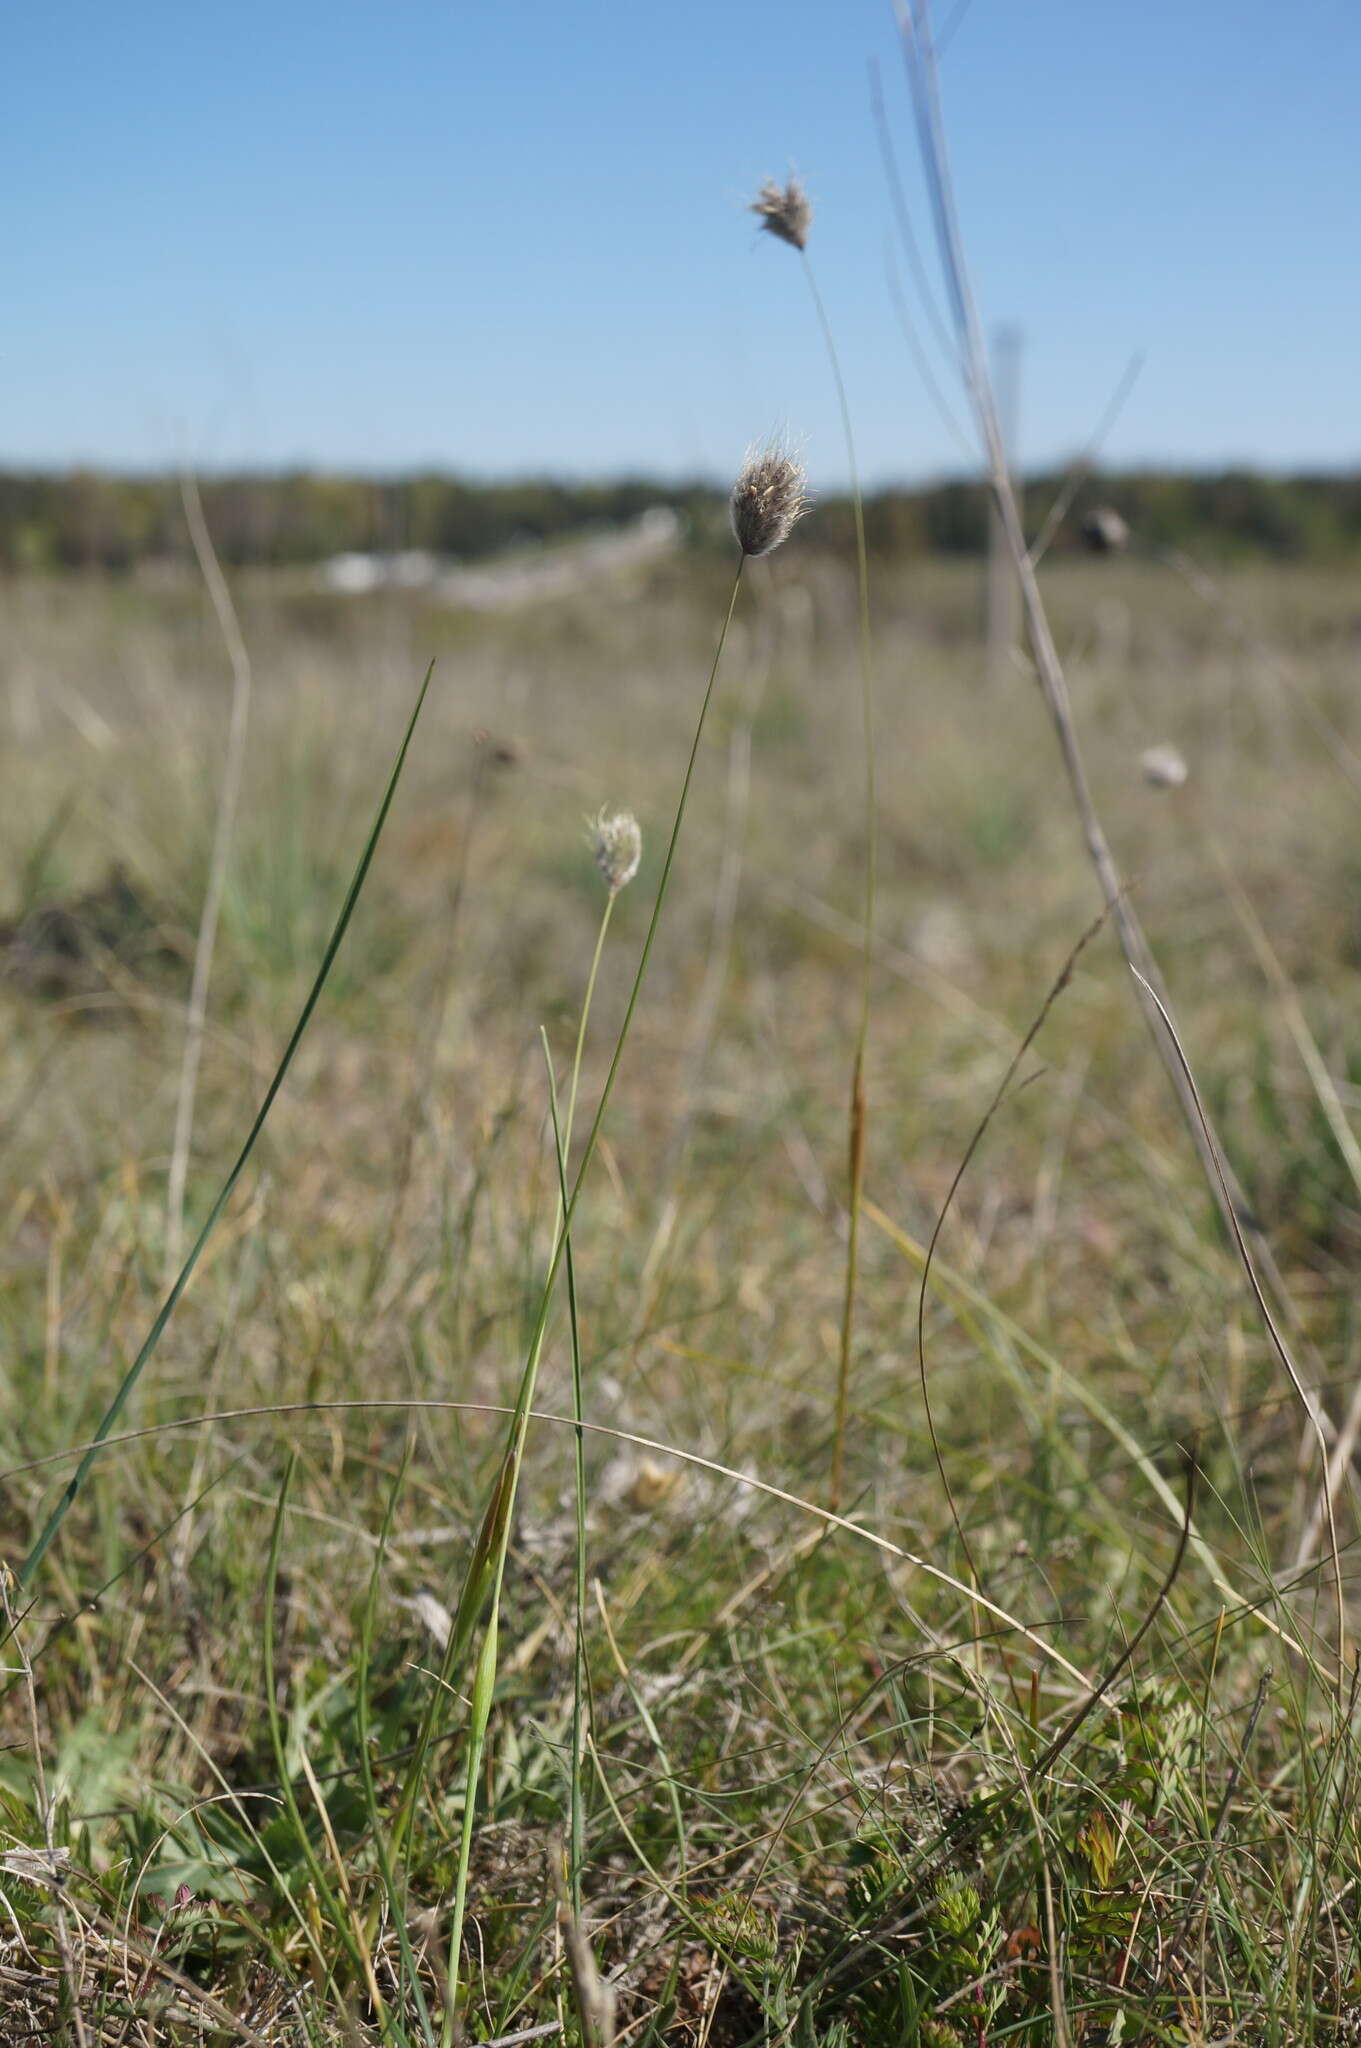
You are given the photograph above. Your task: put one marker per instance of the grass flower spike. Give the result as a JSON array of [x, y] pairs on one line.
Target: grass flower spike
[[785, 212], [768, 497], [617, 844]]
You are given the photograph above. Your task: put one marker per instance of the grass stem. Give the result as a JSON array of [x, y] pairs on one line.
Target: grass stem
[[482, 1582], [858, 1108], [229, 792]]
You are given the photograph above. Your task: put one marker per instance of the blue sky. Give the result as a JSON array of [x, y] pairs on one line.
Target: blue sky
[[509, 237]]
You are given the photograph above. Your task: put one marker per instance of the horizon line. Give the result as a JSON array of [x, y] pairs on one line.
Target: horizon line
[[58, 470]]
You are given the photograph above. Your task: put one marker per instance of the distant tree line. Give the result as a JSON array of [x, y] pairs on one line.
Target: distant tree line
[[83, 519], [1218, 516], [95, 519]]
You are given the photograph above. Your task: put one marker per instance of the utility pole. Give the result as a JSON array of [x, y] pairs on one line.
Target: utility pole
[[1003, 590]]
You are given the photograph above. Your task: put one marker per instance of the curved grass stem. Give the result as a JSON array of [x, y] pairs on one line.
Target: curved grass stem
[[229, 792]]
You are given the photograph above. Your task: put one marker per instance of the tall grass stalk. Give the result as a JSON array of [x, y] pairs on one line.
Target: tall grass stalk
[[999, 1095], [229, 792], [1279, 1345], [577, 1838], [484, 1681], [214, 1216], [602, 933], [919, 50], [481, 1587], [786, 214], [562, 1142], [858, 1108]]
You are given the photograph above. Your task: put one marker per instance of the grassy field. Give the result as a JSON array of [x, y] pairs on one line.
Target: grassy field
[[835, 1781]]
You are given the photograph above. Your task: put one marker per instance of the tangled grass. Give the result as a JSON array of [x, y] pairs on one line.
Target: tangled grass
[[840, 1778]]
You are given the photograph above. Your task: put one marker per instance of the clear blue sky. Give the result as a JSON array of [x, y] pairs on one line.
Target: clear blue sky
[[501, 237]]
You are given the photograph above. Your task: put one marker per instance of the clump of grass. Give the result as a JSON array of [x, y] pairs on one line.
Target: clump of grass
[[789, 1761]]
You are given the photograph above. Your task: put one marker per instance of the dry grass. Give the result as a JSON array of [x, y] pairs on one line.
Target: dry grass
[[787, 1722]]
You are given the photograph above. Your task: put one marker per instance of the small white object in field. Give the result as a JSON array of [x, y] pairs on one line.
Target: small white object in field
[[940, 935], [1164, 767], [640, 1484]]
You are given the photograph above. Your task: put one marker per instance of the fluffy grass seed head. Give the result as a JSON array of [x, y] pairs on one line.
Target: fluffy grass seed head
[[769, 496], [785, 212], [617, 844]]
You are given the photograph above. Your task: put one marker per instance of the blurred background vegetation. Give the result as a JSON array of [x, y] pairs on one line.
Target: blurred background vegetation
[[86, 518]]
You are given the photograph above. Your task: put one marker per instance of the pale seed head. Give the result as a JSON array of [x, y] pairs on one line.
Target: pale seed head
[[617, 844], [768, 497], [785, 212], [1104, 532], [1164, 767]]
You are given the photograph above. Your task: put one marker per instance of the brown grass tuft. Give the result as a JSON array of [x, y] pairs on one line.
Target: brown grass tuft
[[785, 211]]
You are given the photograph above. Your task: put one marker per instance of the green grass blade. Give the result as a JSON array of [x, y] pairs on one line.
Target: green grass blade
[[171, 1302]]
